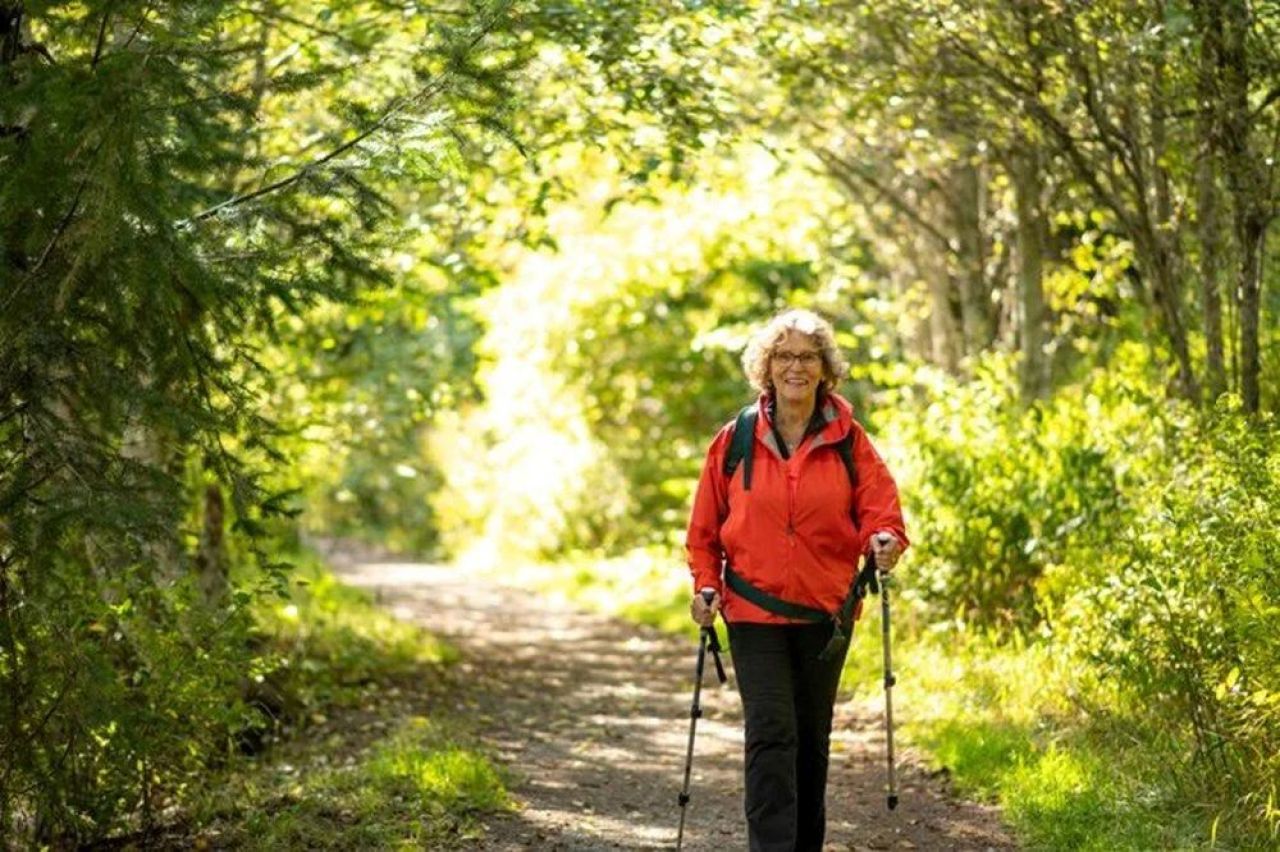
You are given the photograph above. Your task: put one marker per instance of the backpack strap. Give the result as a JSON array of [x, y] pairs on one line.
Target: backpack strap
[[845, 448], [742, 447], [772, 603]]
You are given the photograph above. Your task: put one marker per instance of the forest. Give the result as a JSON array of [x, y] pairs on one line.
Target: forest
[[472, 281]]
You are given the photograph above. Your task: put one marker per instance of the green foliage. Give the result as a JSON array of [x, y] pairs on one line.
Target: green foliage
[[189, 194], [604, 382], [1138, 537], [632, 352], [131, 322], [1181, 611], [1006, 723], [360, 386], [112, 695], [654, 350], [203, 208], [420, 787], [1012, 499], [332, 650], [1133, 541]]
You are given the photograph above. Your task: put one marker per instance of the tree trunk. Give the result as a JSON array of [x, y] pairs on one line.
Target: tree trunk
[[1252, 246], [1252, 210], [10, 32], [944, 333], [1166, 268], [1208, 227], [153, 451], [1027, 187], [966, 201], [1159, 265], [1209, 231], [211, 561]]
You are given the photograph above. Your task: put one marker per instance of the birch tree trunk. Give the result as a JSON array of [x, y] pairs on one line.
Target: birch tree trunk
[[1208, 226], [1028, 185]]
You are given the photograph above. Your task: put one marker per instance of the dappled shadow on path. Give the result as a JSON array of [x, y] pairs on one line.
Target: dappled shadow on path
[[591, 715]]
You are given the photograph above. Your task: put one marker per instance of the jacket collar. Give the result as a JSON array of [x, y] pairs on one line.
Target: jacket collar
[[832, 419]]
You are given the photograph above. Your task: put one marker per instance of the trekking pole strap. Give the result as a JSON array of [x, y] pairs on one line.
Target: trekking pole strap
[[713, 645]]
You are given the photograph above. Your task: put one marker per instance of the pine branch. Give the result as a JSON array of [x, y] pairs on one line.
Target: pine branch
[[274, 14], [398, 106], [49, 246], [102, 36], [62, 227], [137, 28]]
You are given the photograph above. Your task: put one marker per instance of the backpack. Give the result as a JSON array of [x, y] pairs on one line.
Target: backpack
[[741, 451]]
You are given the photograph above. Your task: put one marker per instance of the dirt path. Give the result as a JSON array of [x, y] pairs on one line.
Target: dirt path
[[591, 714]]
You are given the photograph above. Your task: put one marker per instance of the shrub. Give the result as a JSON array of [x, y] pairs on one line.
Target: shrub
[[1003, 497], [1184, 609], [118, 693]]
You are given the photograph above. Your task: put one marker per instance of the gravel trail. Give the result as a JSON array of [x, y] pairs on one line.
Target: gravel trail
[[591, 716]]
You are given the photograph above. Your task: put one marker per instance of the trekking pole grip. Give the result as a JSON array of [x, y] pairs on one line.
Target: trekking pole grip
[[882, 539]]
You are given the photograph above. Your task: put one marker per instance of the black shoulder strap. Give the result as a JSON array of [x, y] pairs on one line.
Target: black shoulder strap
[[845, 448], [742, 446]]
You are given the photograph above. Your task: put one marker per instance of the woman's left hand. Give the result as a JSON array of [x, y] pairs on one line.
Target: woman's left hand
[[886, 548]]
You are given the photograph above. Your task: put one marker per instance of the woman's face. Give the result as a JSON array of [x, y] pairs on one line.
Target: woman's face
[[795, 367]]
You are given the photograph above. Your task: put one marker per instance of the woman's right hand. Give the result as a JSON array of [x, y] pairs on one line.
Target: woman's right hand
[[703, 613]]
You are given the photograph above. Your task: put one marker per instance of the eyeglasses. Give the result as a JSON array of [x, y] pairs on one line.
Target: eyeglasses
[[785, 359]]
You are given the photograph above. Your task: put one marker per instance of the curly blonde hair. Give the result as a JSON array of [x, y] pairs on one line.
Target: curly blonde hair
[[755, 360]]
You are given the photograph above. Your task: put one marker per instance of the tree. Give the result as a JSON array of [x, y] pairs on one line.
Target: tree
[[1124, 137], [1236, 55], [178, 184]]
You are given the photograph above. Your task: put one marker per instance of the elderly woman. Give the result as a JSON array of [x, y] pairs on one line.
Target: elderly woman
[[780, 521]]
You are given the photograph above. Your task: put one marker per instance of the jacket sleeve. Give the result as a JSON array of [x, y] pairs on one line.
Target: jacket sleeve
[[875, 501], [703, 550]]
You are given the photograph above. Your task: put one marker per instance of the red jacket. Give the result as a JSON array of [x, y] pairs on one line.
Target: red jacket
[[793, 534]]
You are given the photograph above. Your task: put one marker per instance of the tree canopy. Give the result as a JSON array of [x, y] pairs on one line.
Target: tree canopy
[[474, 279]]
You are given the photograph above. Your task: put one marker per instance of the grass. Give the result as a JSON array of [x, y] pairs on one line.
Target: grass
[[330, 641], [1004, 723], [421, 786], [370, 771]]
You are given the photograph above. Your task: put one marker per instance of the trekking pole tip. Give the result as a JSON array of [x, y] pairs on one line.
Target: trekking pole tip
[[893, 802]]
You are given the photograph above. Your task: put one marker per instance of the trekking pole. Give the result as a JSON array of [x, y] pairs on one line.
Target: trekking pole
[[889, 679], [707, 640]]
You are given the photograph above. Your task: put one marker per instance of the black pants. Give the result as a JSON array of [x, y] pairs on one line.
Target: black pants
[[787, 698]]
